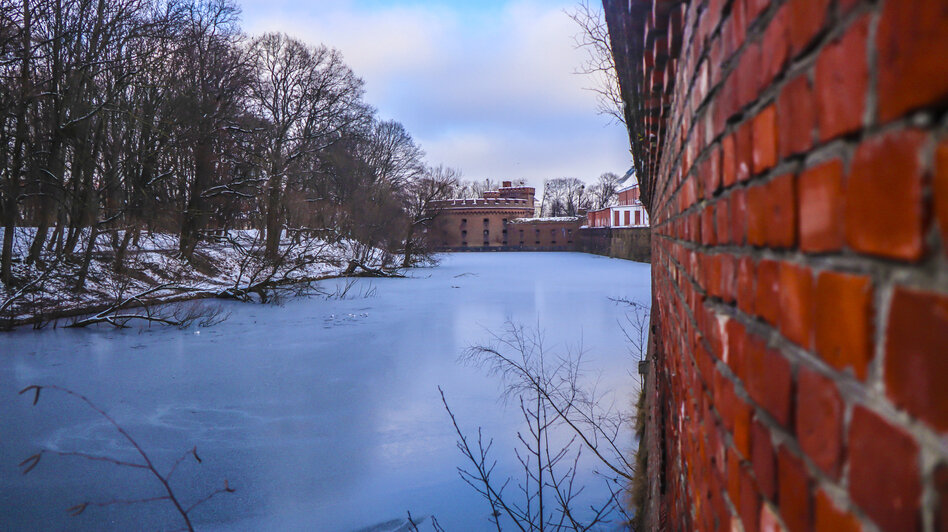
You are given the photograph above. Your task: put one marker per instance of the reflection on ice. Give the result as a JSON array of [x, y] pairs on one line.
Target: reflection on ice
[[323, 414]]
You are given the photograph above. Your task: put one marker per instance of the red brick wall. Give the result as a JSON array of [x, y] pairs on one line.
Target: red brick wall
[[798, 189]]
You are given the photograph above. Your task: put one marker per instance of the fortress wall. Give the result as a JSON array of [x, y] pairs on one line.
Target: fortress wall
[[794, 159]]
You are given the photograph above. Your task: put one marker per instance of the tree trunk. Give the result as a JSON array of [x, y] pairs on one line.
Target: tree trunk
[[87, 257], [118, 265], [195, 215], [274, 218], [11, 207], [409, 246]]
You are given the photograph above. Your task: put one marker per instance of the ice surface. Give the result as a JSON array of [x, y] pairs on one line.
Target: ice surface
[[323, 414]]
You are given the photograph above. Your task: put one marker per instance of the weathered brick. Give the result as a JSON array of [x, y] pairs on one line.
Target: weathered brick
[[940, 189], [741, 413], [796, 304], [842, 80], [821, 207], [748, 75], [883, 471], [744, 150], [916, 355], [738, 206], [829, 518], [796, 117], [769, 380], [746, 285], [793, 492], [728, 161], [728, 279], [806, 20], [882, 219], [776, 45], [714, 173], [844, 321], [758, 212], [768, 305], [819, 427], [707, 227], [763, 460], [721, 211], [764, 131], [912, 48], [750, 503], [781, 219]]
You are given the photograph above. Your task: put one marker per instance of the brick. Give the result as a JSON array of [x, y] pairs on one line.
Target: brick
[[776, 45], [796, 117], [940, 189], [820, 193], [767, 305], [806, 20], [793, 492], [728, 161], [843, 318], [746, 284], [714, 173], [738, 205], [912, 48], [884, 478], [744, 151], [781, 224], [748, 75], [758, 211], [750, 504], [721, 211], [763, 460], [764, 130], [842, 79], [796, 304], [741, 413], [736, 27], [819, 426], [882, 218], [734, 478], [829, 518], [916, 355], [734, 357], [728, 280], [769, 380], [754, 8], [707, 227]]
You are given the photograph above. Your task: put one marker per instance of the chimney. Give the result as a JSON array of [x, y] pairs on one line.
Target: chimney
[[506, 184]]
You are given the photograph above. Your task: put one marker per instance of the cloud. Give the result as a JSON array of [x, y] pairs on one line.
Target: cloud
[[490, 90]]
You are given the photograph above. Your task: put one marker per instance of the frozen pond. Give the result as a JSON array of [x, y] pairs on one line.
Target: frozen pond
[[323, 414]]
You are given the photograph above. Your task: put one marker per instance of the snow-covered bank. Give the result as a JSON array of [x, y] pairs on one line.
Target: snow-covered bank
[[221, 267]]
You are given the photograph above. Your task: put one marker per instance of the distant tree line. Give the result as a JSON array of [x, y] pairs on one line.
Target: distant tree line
[[123, 116], [570, 196]]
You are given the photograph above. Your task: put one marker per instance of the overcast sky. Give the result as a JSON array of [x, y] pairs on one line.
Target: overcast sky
[[487, 86]]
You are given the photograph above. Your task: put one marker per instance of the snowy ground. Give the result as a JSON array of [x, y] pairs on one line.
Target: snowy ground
[[324, 414], [155, 261]]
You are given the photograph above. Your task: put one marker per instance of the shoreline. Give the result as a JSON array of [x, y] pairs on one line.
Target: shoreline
[[89, 310]]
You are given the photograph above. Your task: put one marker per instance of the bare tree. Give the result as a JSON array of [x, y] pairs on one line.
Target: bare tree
[[210, 78], [564, 196], [600, 64], [306, 97], [551, 395], [604, 192], [145, 463], [423, 206]]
